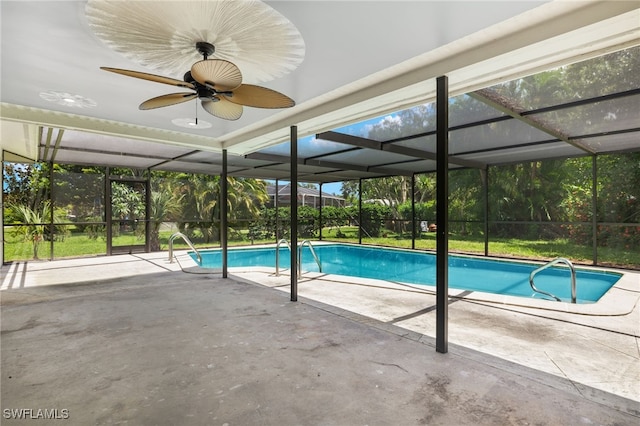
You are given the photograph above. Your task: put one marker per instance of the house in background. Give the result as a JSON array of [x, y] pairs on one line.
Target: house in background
[[306, 197]]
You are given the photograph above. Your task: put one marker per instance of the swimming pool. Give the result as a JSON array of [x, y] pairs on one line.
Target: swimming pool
[[415, 267]]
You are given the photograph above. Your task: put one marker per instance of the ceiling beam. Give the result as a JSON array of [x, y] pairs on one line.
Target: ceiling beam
[[283, 159], [105, 152], [47, 144], [179, 157], [494, 100], [343, 138], [57, 145], [396, 149]]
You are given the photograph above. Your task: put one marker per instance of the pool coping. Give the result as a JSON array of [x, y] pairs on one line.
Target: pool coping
[[619, 300]]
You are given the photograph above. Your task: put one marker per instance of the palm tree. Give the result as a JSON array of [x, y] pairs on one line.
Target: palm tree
[[200, 198], [166, 204], [32, 223], [201, 202], [245, 197]]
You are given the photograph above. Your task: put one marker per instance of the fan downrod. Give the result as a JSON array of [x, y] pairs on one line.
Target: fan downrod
[[206, 49]]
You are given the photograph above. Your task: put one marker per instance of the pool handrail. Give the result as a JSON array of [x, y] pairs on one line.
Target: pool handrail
[[186, 240], [313, 252], [549, 264], [283, 240]]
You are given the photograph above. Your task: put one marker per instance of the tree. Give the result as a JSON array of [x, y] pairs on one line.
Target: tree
[[201, 202], [373, 219], [32, 223], [126, 202], [26, 184], [465, 199], [80, 190], [619, 200], [245, 197], [166, 205]]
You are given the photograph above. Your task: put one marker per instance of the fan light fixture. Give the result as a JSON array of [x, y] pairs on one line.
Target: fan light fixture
[[191, 123]]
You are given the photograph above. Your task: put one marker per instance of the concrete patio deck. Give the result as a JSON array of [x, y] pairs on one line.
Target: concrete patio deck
[[134, 339]]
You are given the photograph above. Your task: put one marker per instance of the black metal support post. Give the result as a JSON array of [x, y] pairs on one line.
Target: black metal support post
[[224, 194], [107, 209], [442, 215], [147, 212], [294, 213], [594, 206], [413, 211], [275, 204], [359, 211], [320, 215], [51, 227], [485, 191]]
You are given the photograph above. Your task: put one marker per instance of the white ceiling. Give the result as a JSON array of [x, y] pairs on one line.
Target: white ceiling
[[363, 58]]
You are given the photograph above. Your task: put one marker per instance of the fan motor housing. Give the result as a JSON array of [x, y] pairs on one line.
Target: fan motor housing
[[203, 91], [205, 49]]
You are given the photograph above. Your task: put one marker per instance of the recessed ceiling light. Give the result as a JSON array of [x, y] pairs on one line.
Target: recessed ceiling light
[[190, 123], [68, 99]]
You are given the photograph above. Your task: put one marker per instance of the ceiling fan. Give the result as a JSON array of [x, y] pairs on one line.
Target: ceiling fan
[[218, 84]]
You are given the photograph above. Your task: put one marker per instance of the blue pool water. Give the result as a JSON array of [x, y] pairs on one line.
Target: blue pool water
[[413, 267]]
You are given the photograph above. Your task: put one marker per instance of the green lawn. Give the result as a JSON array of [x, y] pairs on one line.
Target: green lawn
[[501, 247], [76, 245]]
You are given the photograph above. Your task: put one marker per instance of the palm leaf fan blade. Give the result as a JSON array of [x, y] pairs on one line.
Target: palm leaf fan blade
[[222, 109], [167, 100], [150, 77], [260, 97], [217, 74]]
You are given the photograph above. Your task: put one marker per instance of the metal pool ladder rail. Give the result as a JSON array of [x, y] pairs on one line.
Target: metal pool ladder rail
[[278, 255], [186, 240], [313, 252], [547, 265]]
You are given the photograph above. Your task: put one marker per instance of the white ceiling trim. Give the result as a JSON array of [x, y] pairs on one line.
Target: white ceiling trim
[[40, 117]]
